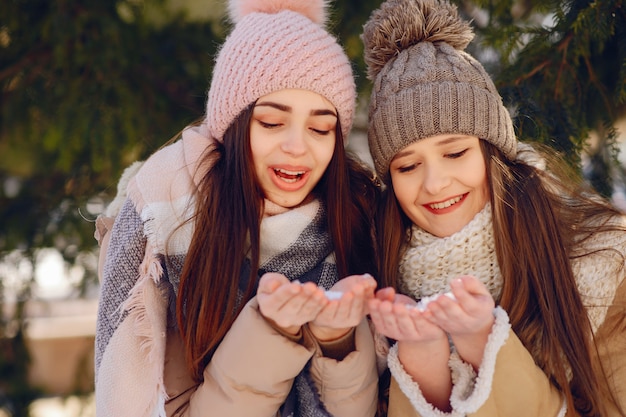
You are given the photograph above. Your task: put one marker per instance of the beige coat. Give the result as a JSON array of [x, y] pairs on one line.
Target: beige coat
[[245, 379], [515, 386]]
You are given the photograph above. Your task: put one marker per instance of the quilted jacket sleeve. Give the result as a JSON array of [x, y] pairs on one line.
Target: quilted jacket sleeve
[[349, 387], [253, 369], [251, 372]]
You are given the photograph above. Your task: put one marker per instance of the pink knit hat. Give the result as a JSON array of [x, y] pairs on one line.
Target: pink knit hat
[[278, 44]]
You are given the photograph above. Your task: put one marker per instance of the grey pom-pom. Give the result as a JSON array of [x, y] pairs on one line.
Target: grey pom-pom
[[399, 24]]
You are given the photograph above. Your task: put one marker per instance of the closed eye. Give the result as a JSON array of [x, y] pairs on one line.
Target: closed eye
[[268, 125], [407, 168], [321, 132], [456, 154]]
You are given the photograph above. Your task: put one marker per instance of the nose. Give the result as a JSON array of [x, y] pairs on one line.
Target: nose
[[436, 179], [294, 142]]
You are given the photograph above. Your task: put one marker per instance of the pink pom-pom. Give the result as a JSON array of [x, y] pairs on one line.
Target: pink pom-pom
[[313, 9]]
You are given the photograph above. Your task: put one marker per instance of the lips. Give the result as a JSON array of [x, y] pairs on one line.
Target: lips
[[289, 176], [446, 206]]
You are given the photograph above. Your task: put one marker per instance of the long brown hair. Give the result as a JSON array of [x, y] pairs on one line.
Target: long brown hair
[[540, 218], [229, 207], [538, 222]]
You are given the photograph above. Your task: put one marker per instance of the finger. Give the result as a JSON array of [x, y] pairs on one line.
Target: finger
[[386, 294], [352, 305], [471, 284], [270, 281], [356, 307], [286, 299], [404, 322], [328, 313], [388, 316], [373, 305], [343, 312], [445, 307], [369, 284], [472, 294], [404, 299], [310, 302], [299, 309], [376, 316], [274, 291]]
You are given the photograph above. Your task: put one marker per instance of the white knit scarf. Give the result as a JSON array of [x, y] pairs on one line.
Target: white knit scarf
[[429, 262]]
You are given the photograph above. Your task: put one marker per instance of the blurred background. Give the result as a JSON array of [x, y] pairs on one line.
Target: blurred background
[[89, 86]]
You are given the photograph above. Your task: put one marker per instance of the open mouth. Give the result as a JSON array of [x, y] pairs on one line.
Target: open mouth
[[447, 203], [289, 176]]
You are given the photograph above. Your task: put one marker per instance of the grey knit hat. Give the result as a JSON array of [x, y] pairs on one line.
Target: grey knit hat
[[424, 82]]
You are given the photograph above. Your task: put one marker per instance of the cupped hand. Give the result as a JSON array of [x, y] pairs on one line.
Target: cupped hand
[[468, 319], [287, 304], [339, 316], [470, 312], [395, 316]]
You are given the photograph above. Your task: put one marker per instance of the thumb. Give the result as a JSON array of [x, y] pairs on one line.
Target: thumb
[[386, 294], [270, 281], [471, 284]]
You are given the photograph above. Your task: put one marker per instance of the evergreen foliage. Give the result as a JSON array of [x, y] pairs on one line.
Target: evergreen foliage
[[562, 66]]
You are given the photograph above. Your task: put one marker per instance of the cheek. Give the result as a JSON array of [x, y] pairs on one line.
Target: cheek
[[478, 181], [260, 144], [258, 157], [404, 188], [325, 152]]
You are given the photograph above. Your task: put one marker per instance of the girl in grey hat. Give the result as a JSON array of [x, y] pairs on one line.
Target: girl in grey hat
[[534, 321]]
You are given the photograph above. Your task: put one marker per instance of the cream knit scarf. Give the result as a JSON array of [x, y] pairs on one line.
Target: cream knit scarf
[[430, 262]]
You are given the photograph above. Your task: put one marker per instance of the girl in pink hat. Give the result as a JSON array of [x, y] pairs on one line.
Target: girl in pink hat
[[238, 268]]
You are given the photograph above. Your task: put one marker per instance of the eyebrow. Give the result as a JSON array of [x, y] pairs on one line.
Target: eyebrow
[[282, 107], [442, 142], [453, 139]]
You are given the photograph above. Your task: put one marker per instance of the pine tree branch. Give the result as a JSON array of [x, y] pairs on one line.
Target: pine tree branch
[[519, 80], [600, 87], [40, 57]]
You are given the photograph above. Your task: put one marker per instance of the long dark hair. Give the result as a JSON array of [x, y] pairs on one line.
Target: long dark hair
[[540, 220], [229, 206]]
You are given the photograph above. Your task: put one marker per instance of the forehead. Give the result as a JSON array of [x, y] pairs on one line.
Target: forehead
[[436, 142], [295, 99]]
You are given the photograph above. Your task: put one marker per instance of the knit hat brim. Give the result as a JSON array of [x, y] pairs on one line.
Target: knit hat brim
[[427, 110], [425, 84], [278, 48]]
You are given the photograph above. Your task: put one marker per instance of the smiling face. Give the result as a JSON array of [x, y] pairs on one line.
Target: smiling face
[[441, 182], [292, 138]]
